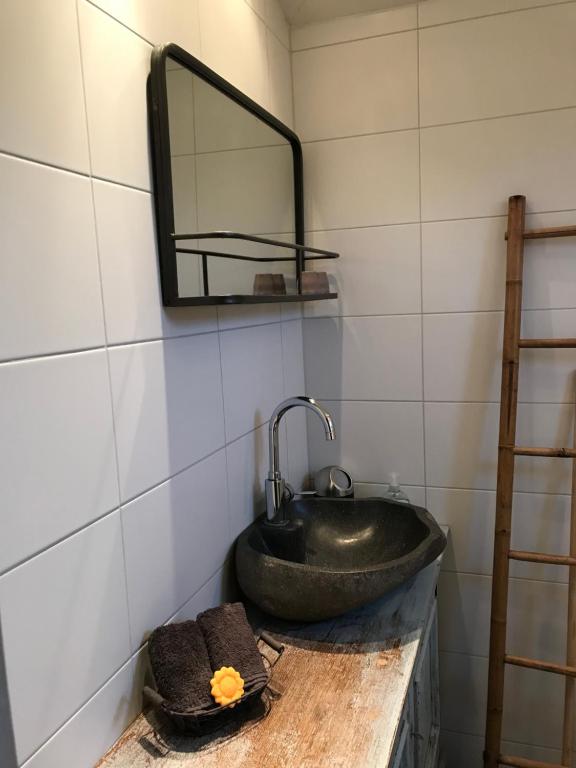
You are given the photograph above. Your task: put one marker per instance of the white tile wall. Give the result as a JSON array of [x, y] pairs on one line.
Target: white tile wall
[[521, 62], [252, 376], [65, 629], [358, 27], [493, 153], [352, 73], [117, 117], [380, 266], [96, 393], [43, 107], [419, 217], [51, 266], [167, 406], [48, 493], [339, 351], [176, 537], [365, 181]]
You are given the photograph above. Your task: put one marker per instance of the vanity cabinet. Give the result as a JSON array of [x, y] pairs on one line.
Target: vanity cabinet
[[358, 691], [417, 743]]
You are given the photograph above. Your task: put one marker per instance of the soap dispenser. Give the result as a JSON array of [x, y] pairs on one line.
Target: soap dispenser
[[394, 492]]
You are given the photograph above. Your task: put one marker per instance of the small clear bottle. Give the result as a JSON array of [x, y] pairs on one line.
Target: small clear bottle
[[394, 492]]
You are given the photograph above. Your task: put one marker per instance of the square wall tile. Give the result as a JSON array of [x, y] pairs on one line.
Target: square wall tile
[[176, 537], [362, 181], [356, 27], [116, 65], [167, 406], [375, 78], [463, 356], [130, 272], [378, 272], [517, 62], [525, 690], [364, 358], [372, 440], [540, 523], [76, 593], [462, 442], [43, 106], [464, 616], [252, 376], [234, 44], [57, 465], [247, 468], [99, 723], [49, 272], [493, 154], [471, 254], [169, 21]]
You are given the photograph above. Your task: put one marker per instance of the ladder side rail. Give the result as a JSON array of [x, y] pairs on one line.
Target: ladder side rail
[[505, 480]]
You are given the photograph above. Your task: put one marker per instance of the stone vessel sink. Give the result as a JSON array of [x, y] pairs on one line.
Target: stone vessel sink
[[334, 555]]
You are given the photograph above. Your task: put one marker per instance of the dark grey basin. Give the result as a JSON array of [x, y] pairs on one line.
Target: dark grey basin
[[334, 555]]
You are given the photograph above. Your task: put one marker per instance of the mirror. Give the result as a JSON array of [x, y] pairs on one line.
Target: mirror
[[222, 165]]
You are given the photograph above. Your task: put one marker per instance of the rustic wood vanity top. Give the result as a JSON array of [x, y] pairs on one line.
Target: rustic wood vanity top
[[344, 681]]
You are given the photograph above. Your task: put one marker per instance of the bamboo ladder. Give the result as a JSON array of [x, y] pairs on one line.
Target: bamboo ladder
[[507, 452]]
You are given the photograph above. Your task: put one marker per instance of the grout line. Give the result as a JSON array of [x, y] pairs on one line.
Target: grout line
[[442, 402], [118, 21], [135, 343], [227, 478], [493, 491], [508, 741], [439, 313], [520, 579], [106, 331], [431, 126], [131, 658], [44, 163], [497, 13], [59, 541], [404, 31], [434, 221], [421, 247]]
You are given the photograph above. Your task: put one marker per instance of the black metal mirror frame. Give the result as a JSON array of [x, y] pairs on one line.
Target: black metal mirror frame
[[162, 173]]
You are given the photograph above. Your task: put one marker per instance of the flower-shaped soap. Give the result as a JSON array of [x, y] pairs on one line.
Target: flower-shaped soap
[[227, 686]]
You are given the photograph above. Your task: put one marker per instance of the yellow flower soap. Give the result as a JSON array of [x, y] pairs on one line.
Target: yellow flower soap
[[227, 686]]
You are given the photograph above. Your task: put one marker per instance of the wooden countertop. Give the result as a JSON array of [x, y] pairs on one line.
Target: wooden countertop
[[345, 682]]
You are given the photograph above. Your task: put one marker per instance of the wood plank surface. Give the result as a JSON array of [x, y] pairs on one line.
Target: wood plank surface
[[344, 684]]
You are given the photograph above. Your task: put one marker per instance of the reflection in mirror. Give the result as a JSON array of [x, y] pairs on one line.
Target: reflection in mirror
[[230, 171]]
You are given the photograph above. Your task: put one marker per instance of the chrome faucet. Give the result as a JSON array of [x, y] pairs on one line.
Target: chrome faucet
[[277, 490]]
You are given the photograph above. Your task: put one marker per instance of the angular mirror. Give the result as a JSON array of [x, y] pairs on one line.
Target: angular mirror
[[228, 191]]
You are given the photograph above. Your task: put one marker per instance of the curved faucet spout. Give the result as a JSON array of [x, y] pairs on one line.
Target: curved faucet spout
[[275, 485]]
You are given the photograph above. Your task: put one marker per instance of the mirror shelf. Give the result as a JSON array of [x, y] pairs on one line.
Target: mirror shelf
[[228, 192]]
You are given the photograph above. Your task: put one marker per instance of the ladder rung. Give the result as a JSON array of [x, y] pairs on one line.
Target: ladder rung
[[537, 557], [547, 343], [544, 666], [559, 453], [522, 762], [538, 234]]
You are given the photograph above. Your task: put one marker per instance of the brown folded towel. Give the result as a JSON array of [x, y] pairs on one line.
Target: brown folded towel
[[230, 641], [181, 665]]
